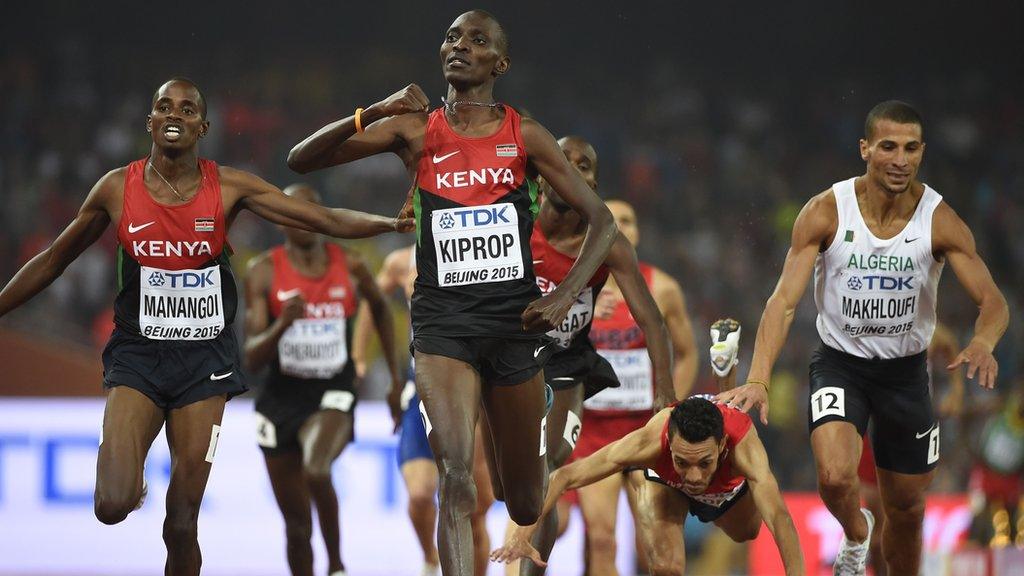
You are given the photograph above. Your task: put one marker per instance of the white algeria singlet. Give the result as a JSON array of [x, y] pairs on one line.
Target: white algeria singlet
[[876, 298]]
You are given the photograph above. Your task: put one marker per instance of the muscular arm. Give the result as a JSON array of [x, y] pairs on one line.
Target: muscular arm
[[386, 130], [623, 264], [87, 227], [261, 335], [669, 296], [752, 462], [388, 281], [551, 163], [268, 202], [952, 239]]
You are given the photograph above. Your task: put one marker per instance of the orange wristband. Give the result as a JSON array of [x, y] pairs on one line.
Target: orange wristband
[[359, 120]]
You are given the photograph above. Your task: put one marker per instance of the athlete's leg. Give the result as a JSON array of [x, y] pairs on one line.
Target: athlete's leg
[[487, 441], [192, 432], [599, 504], [484, 499], [450, 392], [563, 428], [837, 447], [873, 502], [292, 497], [130, 423], [421, 482], [742, 522], [515, 414], [903, 501], [323, 436], [631, 483], [661, 512]]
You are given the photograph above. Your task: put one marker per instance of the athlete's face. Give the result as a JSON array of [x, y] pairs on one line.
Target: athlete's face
[[473, 52], [583, 158], [695, 462], [625, 219], [176, 120], [893, 154], [295, 236]]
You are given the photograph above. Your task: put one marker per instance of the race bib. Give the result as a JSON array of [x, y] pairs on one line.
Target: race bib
[[878, 303], [636, 381], [180, 304], [580, 314], [477, 244], [313, 348]]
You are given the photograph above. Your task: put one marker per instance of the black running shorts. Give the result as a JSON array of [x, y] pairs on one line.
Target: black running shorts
[[285, 403], [174, 373], [499, 361], [580, 364], [890, 393]]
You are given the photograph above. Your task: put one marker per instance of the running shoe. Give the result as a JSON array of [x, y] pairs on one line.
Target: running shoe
[[725, 345], [852, 559]]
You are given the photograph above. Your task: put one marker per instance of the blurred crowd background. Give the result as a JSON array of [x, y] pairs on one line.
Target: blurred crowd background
[[717, 123]]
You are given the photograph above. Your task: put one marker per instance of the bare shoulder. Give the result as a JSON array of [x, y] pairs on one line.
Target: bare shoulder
[[664, 284], [235, 178], [260, 262], [949, 231], [818, 220]]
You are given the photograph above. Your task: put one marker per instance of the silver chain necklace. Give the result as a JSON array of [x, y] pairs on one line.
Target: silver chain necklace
[[173, 189], [450, 106]]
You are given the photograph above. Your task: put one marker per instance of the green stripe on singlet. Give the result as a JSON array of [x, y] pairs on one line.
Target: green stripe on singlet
[[417, 209], [533, 189], [120, 267]]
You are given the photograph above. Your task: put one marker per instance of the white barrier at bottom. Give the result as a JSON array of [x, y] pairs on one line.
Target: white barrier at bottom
[[47, 526]]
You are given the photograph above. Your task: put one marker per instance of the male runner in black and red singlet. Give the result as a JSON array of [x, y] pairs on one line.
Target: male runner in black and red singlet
[[698, 457], [576, 371], [301, 301], [172, 356], [477, 322], [615, 412]]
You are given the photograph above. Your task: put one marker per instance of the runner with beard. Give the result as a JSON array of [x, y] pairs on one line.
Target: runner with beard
[[478, 325], [172, 358]]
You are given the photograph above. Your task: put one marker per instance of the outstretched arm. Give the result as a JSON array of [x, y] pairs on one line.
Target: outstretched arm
[[669, 296], [623, 264], [268, 202], [752, 462], [952, 239], [639, 448], [339, 142], [814, 227], [87, 227], [545, 154]]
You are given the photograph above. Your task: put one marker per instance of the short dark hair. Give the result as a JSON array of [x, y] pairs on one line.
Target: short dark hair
[[895, 110], [202, 99], [696, 419]]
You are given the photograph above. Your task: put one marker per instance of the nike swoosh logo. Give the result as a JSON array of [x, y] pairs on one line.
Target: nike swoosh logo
[[909, 240], [563, 379], [283, 295], [445, 157], [923, 434], [537, 261], [132, 228], [537, 351], [221, 376]]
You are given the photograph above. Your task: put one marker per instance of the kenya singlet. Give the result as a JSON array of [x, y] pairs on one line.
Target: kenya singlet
[[876, 298], [621, 341], [315, 347], [173, 275], [474, 208]]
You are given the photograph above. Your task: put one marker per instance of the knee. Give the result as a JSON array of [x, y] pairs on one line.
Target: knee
[[420, 500], [747, 533], [524, 506], [298, 530], [457, 484], [835, 483], [111, 509], [180, 527], [905, 511], [601, 540], [317, 473]]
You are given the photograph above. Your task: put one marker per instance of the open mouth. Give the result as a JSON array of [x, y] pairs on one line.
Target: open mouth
[[172, 132], [457, 62]]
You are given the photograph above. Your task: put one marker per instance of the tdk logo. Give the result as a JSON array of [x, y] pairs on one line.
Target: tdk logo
[[182, 279], [887, 283], [476, 217]]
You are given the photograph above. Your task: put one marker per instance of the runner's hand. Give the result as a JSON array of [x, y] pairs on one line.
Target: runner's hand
[[605, 305], [394, 400], [408, 99], [544, 314], [743, 398], [978, 358], [292, 309], [517, 547], [406, 219]]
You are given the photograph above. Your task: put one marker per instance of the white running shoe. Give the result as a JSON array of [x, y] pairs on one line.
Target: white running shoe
[[338, 573], [145, 491], [431, 570], [852, 559], [725, 345]]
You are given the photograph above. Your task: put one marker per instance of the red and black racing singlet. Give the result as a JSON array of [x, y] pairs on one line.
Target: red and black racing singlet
[[474, 209], [621, 341], [173, 275], [314, 347], [551, 267], [726, 482]]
